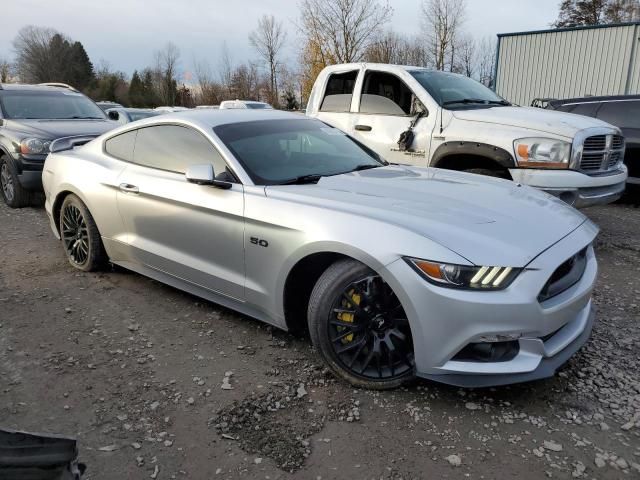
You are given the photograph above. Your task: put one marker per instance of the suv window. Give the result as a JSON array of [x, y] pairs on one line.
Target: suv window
[[174, 148], [337, 96], [121, 146], [625, 114], [587, 109], [386, 94]]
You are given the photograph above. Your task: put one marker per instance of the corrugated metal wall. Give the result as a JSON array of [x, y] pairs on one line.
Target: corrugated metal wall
[[569, 63]]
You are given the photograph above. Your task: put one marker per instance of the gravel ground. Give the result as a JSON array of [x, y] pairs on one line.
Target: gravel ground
[[158, 384]]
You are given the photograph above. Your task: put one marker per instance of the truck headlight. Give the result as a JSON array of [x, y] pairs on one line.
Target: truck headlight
[[542, 153], [464, 276], [35, 146]]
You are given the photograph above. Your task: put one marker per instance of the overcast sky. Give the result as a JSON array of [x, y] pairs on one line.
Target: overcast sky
[[125, 33]]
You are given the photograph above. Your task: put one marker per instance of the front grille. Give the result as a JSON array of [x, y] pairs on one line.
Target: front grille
[[598, 143], [618, 142], [565, 276], [601, 153]]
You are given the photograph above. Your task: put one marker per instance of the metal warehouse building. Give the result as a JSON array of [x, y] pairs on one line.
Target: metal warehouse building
[[569, 62]]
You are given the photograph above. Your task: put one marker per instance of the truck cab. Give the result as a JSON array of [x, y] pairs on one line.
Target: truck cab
[[415, 116]]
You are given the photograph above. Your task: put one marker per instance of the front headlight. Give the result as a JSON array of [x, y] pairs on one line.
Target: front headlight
[[35, 146], [464, 276], [542, 153]]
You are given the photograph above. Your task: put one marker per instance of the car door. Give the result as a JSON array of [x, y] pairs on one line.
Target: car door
[[386, 108], [193, 232]]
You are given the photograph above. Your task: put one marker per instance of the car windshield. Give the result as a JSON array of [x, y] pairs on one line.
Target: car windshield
[[258, 106], [457, 91], [48, 105], [292, 151], [137, 115]]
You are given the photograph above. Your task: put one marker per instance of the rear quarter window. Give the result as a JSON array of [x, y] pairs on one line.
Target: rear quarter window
[[121, 146]]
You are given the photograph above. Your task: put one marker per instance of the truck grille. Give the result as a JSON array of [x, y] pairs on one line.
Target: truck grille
[[601, 153]]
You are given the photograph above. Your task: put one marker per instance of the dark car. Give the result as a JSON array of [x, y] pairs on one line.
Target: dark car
[[107, 104], [622, 111], [31, 117], [126, 115]]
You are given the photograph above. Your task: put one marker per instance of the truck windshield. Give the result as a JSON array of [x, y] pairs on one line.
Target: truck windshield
[[279, 152], [48, 105], [457, 92]]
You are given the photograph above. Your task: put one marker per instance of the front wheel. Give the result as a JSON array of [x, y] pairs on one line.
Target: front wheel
[[80, 236], [360, 328], [13, 194]]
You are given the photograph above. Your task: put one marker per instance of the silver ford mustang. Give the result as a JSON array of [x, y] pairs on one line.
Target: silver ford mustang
[[396, 271]]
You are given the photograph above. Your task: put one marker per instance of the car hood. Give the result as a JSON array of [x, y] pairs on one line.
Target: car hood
[[488, 221], [52, 129], [530, 118]]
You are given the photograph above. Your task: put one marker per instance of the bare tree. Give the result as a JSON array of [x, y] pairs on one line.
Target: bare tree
[[392, 47], [268, 40], [442, 19], [166, 71], [5, 71], [33, 58], [209, 91], [226, 67], [486, 55], [466, 56], [342, 30]]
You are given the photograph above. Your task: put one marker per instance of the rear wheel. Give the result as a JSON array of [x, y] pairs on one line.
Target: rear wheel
[[13, 194], [80, 236], [360, 328]]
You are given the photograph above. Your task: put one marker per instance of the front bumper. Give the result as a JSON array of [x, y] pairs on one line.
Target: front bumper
[[575, 188], [444, 321]]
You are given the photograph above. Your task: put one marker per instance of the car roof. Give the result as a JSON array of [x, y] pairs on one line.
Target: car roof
[[34, 88], [382, 66], [598, 99], [209, 118]]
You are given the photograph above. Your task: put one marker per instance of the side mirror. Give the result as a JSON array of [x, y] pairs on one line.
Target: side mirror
[[204, 175], [113, 115]]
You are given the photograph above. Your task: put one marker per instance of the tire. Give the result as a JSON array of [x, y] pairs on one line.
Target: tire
[[489, 173], [370, 347], [13, 193], [80, 236]]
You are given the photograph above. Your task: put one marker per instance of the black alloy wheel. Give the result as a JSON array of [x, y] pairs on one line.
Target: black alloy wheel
[[360, 327], [80, 236], [75, 235]]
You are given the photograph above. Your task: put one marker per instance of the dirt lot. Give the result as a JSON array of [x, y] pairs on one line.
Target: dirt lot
[[137, 370]]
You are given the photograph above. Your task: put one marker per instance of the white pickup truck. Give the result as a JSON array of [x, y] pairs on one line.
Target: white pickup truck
[[453, 122]]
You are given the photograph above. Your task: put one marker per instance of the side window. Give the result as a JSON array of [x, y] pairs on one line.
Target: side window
[[174, 148], [587, 109], [621, 114], [121, 146], [385, 94], [337, 96]]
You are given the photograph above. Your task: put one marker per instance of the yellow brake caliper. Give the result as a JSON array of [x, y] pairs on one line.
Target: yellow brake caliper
[[348, 317]]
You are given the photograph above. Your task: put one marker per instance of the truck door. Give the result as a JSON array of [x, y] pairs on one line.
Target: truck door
[[335, 106], [387, 108]]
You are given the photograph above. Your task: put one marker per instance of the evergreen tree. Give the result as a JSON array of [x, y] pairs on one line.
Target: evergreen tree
[[81, 73], [136, 91]]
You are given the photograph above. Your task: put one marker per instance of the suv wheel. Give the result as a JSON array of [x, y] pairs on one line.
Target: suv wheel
[[13, 194], [80, 236], [360, 328]]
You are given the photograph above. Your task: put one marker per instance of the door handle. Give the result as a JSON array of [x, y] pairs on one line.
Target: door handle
[[127, 187], [363, 128]]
